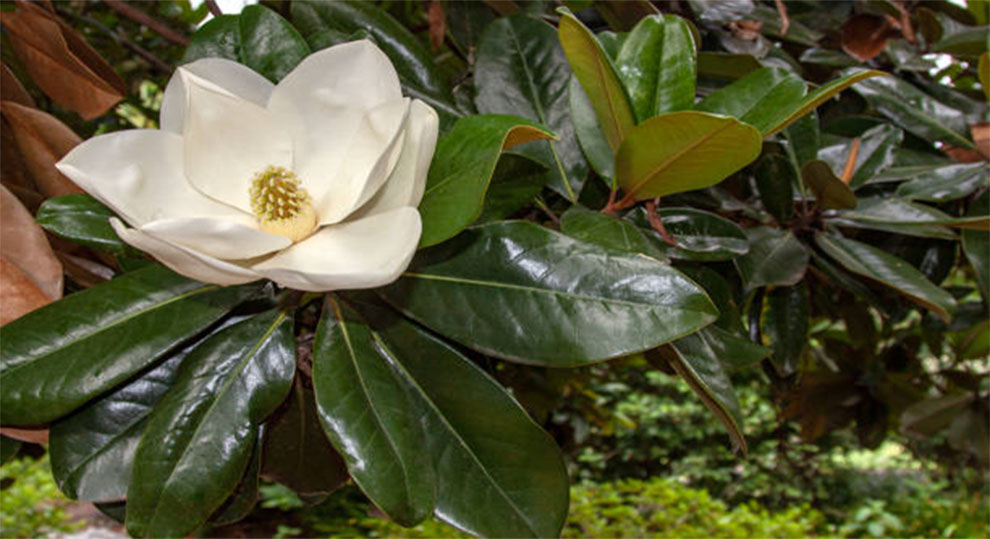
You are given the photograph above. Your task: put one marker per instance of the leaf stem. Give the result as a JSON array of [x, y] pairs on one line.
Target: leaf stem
[[657, 223]]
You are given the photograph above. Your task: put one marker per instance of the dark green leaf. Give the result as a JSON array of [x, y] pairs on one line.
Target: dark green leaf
[[56, 358], [8, 448], [82, 219], [721, 294], [831, 193], [657, 65], [519, 291], [888, 270], [516, 182], [245, 496], [296, 453], [915, 219], [269, 44], [594, 227], [218, 38], [928, 417], [522, 70], [775, 180], [726, 65], [775, 258], [200, 437], [915, 111], [976, 244], [785, 322], [700, 235], [944, 183], [972, 42], [589, 134], [598, 76], [804, 138], [828, 57], [462, 168], [875, 154], [365, 411], [734, 352], [683, 151]]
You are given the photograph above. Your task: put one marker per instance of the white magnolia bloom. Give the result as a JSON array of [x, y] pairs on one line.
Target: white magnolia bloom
[[312, 183]]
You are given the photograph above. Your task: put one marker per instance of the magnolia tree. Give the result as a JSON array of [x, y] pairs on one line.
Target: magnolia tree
[[329, 262]]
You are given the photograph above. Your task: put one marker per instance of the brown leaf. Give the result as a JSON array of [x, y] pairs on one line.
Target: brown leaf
[[865, 35], [36, 435], [42, 141], [18, 294], [437, 18], [26, 247], [60, 62], [746, 29], [981, 139], [11, 89]]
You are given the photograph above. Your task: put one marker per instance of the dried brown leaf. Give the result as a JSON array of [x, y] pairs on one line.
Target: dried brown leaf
[[865, 35], [18, 293], [42, 140], [437, 18], [11, 89], [25, 246], [60, 61]]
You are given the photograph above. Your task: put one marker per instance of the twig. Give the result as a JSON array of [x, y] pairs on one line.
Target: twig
[[657, 223], [850, 168], [785, 21], [546, 209], [146, 55], [143, 18], [213, 7]]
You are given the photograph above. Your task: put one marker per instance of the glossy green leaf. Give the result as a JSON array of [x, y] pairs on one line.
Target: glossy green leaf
[[594, 227], [726, 65], [695, 361], [55, 359], [976, 244], [657, 66], [296, 453], [498, 474], [915, 111], [245, 495], [797, 31], [589, 134], [92, 450], [8, 448], [721, 294], [419, 75], [200, 437], [683, 151], [365, 411], [888, 270], [785, 321], [269, 44], [462, 168], [804, 138], [219, 37], [875, 154], [983, 69], [971, 42], [827, 57], [734, 352], [895, 212], [598, 76], [945, 183], [700, 235], [517, 180], [831, 193], [519, 291], [775, 179], [84, 220], [521, 70], [775, 258], [611, 42]]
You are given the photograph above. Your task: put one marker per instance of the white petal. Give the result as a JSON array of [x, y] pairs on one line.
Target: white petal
[[215, 237], [407, 182], [186, 261], [365, 253], [228, 140], [139, 175], [235, 78], [371, 153]]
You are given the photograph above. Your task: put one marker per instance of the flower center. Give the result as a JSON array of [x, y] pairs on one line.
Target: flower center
[[281, 205]]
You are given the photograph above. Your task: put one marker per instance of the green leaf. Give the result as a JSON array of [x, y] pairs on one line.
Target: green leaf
[[775, 180], [875, 154], [519, 291], [928, 417], [734, 352], [462, 168], [944, 183], [92, 450], [785, 322], [598, 76], [775, 258], [365, 411], [55, 359], [976, 244], [418, 73], [910, 218], [695, 361], [700, 235], [521, 70], [804, 138], [84, 220], [217, 38], [296, 453], [516, 182], [245, 496], [915, 111], [983, 68], [589, 134], [831, 193], [773, 98], [657, 66], [594, 227], [888, 270], [498, 474], [200, 437], [8, 448], [721, 294], [269, 44], [683, 151], [969, 42], [726, 65]]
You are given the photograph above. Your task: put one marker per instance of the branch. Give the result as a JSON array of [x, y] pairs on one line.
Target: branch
[[143, 18]]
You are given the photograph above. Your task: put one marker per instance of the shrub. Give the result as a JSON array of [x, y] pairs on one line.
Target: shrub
[[30, 503]]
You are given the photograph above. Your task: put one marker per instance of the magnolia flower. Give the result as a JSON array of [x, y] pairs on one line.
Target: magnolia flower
[[312, 183]]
